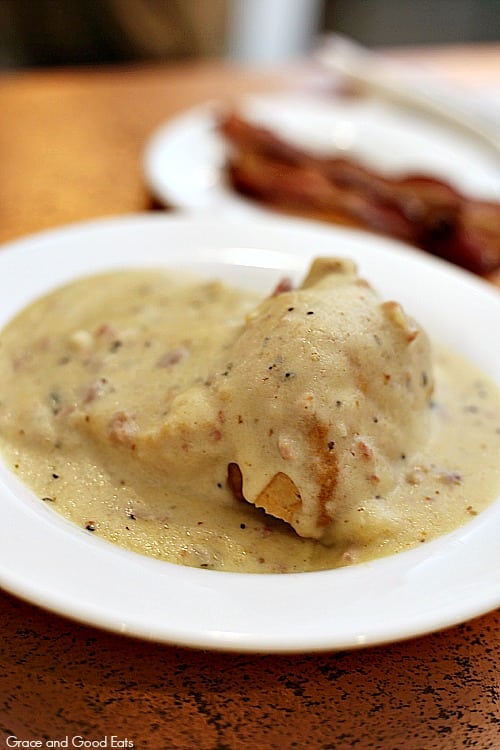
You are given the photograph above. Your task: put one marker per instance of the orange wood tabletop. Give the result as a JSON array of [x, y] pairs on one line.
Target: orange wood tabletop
[[71, 146]]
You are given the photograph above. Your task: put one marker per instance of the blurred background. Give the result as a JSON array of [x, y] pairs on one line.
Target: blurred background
[[41, 33]]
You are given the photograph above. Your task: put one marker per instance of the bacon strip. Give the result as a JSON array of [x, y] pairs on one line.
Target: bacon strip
[[418, 209]]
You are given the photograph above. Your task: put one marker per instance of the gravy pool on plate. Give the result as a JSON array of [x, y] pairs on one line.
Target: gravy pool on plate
[[202, 425]]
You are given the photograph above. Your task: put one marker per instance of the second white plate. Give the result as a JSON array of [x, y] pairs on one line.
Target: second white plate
[[184, 159]]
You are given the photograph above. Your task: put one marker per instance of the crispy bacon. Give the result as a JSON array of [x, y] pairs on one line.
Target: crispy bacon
[[284, 285], [416, 208]]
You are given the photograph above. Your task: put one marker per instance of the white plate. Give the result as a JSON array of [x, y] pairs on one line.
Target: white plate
[[184, 159], [51, 562]]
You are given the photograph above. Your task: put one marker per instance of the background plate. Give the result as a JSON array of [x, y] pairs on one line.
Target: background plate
[[184, 159]]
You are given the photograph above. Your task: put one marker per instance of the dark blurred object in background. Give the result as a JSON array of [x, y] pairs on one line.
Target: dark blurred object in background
[[38, 33], [35, 33], [414, 22]]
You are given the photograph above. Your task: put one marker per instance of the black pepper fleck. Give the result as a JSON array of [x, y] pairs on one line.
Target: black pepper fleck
[[55, 401]]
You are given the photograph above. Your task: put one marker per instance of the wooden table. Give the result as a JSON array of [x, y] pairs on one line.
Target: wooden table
[[71, 144]]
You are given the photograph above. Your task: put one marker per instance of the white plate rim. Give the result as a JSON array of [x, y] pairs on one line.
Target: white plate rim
[[66, 570]]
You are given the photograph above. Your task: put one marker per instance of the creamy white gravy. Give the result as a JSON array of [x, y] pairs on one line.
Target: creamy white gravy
[[89, 374]]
